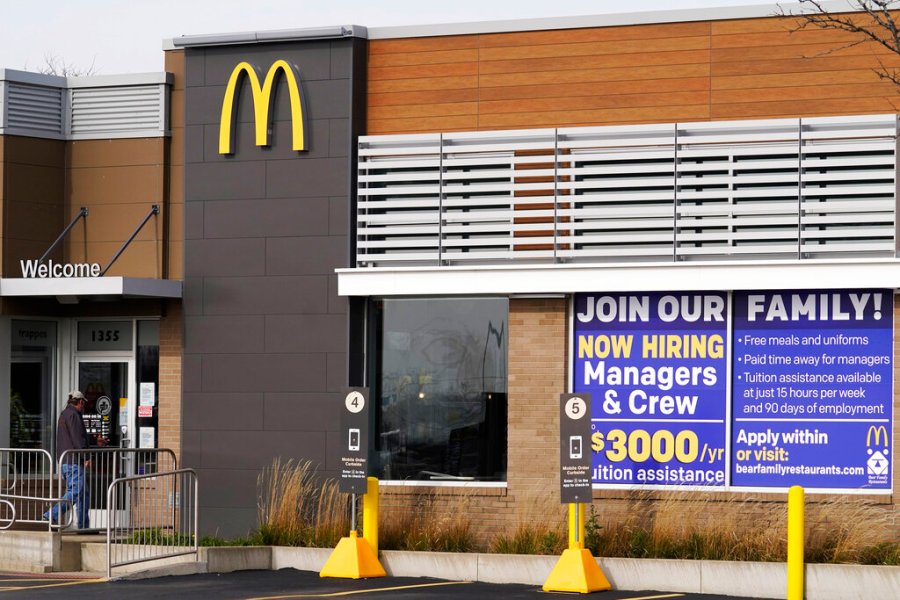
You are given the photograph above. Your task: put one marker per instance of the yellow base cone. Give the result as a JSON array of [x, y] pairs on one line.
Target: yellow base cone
[[353, 558], [576, 571]]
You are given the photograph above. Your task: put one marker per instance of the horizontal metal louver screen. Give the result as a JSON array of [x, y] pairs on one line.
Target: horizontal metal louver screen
[[737, 186], [848, 200], [34, 108], [783, 189], [398, 205], [117, 110], [497, 196], [616, 186]]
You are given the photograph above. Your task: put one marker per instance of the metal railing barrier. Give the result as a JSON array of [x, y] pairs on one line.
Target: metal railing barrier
[[160, 519], [9, 513], [104, 465], [29, 486]]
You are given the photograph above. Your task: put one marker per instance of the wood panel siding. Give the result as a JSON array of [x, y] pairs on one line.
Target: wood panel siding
[[739, 69], [763, 68], [118, 181], [32, 186]]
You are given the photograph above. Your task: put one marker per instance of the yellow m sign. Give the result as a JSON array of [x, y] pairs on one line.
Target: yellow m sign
[[263, 104], [877, 432]]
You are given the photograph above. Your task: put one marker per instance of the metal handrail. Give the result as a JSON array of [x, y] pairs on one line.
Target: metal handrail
[[12, 509], [153, 552], [110, 463], [87, 452], [38, 462], [17, 463], [69, 514]]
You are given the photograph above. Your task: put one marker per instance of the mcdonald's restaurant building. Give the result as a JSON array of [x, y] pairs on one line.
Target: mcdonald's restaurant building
[[688, 216]]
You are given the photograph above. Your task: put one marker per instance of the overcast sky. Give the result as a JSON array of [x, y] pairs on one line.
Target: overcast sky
[[125, 36]]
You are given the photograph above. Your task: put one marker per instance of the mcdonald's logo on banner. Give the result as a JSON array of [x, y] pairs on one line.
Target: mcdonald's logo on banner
[[877, 431], [263, 104]]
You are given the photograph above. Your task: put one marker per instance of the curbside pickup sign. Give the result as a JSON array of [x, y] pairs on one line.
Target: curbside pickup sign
[[353, 443], [574, 448]]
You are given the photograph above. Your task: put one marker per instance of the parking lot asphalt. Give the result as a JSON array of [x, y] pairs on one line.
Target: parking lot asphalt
[[288, 584]]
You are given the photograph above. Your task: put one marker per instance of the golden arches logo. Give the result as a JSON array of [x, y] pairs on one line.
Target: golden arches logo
[[263, 104], [877, 432]]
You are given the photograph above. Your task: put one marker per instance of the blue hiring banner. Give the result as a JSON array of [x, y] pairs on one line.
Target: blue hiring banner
[[812, 389], [656, 366]]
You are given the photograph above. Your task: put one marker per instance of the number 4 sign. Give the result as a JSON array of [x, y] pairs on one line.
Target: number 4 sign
[[353, 443]]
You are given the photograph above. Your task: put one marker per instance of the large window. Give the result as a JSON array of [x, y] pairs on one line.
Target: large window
[[440, 389]]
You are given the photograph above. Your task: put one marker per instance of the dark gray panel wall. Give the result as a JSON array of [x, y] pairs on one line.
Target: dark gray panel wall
[[266, 335]]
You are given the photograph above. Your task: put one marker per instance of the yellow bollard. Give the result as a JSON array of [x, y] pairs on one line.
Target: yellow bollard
[[355, 557], [795, 544], [576, 541], [576, 570], [370, 514]]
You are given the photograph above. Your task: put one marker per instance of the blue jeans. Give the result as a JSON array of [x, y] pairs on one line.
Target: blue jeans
[[77, 493]]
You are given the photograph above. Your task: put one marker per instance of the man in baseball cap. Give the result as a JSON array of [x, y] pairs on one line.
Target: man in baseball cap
[[72, 436]]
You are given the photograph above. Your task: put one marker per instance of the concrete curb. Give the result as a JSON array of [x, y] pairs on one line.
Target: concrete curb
[[755, 579], [186, 568]]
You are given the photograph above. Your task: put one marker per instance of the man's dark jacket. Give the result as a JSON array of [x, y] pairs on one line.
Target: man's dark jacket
[[70, 431]]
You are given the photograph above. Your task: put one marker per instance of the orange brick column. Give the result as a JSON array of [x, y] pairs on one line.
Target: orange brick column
[[538, 355], [170, 347]]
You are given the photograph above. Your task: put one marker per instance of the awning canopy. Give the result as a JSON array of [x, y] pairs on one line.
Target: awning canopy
[[73, 288]]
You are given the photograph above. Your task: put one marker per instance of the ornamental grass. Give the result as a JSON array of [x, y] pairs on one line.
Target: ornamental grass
[[431, 522], [298, 508]]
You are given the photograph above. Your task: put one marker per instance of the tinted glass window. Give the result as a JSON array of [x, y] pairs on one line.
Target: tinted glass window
[[441, 388]]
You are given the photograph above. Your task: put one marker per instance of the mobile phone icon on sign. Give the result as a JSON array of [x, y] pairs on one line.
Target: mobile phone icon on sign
[[575, 446], [354, 440]]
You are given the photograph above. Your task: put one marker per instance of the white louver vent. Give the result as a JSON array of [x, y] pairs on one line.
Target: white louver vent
[[76, 108], [33, 108], [136, 110], [782, 189]]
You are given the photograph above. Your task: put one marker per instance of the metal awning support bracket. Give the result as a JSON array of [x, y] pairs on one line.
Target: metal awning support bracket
[[154, 210], [81, 213]]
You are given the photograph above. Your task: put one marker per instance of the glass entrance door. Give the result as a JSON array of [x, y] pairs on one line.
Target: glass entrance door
[[108, 412]]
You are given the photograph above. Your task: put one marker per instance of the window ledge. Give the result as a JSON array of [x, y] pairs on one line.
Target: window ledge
[[450, 488]]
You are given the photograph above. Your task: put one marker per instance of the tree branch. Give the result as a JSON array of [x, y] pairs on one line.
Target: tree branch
[[873, 22]]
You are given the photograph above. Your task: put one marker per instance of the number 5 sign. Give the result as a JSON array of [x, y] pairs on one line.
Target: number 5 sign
[[574, 448]]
